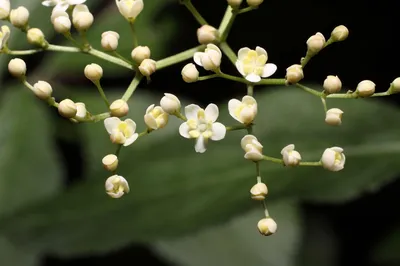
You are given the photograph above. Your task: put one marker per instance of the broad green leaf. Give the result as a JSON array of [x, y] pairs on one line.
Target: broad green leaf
[[175, 191], [386, 252], [29, 166], [238, 243]]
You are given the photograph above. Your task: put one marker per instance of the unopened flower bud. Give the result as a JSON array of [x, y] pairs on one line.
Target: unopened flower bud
[[19, 17], [93, 72], [395, 86], [315, 43], [332, 84], [4, 36], [4, 9], [36, 37], [234, 3], [170, 103], [140, 53], [190, 73], [67, 108], [259, 191], [155, 117], [294, 74], [81, 111], [119, 108], [340, 33], [110, 162], [61, 22], [290, 156], [207, 34], [254, 3], [147, 67], [333, 159], [82, 18], [42, 90], [334, 117], [267, 226], [365, 88], [130, 9], [17, 67], [109, 40]]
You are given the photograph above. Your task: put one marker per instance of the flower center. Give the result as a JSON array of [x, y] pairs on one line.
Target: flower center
[[124, 129], [254, 63]]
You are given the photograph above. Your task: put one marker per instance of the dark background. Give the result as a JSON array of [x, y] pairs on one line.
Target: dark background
[[282, 27]]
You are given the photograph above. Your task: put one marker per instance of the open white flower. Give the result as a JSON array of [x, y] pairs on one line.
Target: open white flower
[[155, 117], [130, 9], [210, 59], [116, 186], [121, 132], [333, 159], [252, 64], [252, 147], [201, 125], [243, 111], [4, 35], [290, 156], [62, 4]]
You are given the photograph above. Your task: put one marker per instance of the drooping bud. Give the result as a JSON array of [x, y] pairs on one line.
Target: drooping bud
[[267, 226], [110, 162]]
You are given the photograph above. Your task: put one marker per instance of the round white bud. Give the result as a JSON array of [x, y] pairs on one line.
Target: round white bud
[[332, 84], [315, 43], [82, 21], [254, 3], [170, 103], [259, 191], [334, 117], [110, 162], [294, 74], [190, 73], [234, 3], [119, 108], [17, 67], [42, 90], [147, 67], [109, 40], [36, 37], [62, 24], [19, 17], [395, 86], [267, 226], [93, 72], [140, 53], [207, 34], [67, 108], [365, 88], [4, 9], [81, 111], [340, 33]]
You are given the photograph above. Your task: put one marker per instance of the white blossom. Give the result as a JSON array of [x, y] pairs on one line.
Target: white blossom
[[252, 147], [62, 4], [267, 226], [116, 186], [130, 9], [333, 159], [155, 117], [290, 156], [243, 111], [210, 59], [121, 132], [201, 125]]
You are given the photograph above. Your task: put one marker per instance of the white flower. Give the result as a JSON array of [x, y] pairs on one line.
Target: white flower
[[130, 9], [333, 159], [290, 156], [259, 191], [243, 111], [201, 125], [252, 147], [210, 59], [252, 64], [267, 226], [155, 117], [4, 8], [121, 132], [116, 186], [62, 4], [4, 35]]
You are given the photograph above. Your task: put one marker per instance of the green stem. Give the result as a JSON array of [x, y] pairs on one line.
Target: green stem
[[132, 87], [146, 132], [180, 116], [246, 9], [115, 53], [177, 58], [208, 77], [23, 52], [118, 150], [258, 171], [307, 89], [109, 58], [237, 127], [234, 78], [272, 82], [324, 104], [194, 12], [85, 41], [265, 209], [355, 95], [272, 159], [102, 94], [226, 23], [134, 35], [310, 163], [69, 37], [306, 59], [99, 117], [224, 46], [250, 90]]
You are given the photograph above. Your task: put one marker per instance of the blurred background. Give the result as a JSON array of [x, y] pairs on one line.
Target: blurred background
[[194, 209]]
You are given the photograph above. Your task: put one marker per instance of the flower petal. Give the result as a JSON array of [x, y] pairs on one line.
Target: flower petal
[[219, 131], [111, 123], [49, 2], [184, 130], [131, 139], [253, 77], [75, 2], [261, 51], [248, 139], [287, 148], [239, 67], [200, 145], [131, 124], [191, 111], [197, 58], [269, 70], [211, 112], [233, 104], [243, 52]]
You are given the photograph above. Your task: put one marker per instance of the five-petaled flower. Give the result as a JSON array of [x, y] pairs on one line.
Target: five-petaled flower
[[121, 132], [62, 4], [116, 186], [201, 125], [252, 64]]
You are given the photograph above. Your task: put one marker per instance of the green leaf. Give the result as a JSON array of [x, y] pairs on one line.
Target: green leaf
[[386, 252], [29, 168], [175, 191], [238, 243]]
